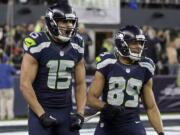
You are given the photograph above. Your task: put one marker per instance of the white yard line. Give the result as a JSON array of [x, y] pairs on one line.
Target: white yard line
[[91, 131], [93, 120], [144, 117]]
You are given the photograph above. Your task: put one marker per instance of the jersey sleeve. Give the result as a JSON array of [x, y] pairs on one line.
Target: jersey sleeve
[[149, 66], [33, 45], [78, 44], [103, 63]]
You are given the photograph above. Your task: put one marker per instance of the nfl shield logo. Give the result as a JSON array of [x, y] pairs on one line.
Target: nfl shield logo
[[61, 53], [101, 124], [127, 70]]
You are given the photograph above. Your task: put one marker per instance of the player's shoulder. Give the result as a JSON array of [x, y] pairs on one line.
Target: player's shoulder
[[77, 43], [36, 37], [105, 59], [104, 56], [36, 41], [78, 37], [146, 60], [78, 40], [148, 64]]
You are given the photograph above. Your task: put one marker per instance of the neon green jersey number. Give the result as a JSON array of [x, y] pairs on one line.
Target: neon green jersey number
[[59, 77]]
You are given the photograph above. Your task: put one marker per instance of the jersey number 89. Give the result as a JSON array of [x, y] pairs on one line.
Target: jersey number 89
[[119, 87]]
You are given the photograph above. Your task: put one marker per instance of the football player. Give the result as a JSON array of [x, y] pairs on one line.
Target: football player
[[122, 80], [50, 61]]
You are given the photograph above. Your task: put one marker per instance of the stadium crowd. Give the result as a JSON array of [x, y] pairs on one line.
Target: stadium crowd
[[163, 45], [11, 40]]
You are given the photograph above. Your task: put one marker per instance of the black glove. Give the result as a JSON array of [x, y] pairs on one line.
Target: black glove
[[47, 120], [161, 133], [76, 121], [109, 112]]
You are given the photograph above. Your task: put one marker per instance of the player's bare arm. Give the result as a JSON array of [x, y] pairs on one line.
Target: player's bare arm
[[95, 92], [29, 69], [80, 86], [151, 107]]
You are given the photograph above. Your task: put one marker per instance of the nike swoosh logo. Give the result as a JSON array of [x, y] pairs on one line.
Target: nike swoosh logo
[[137, 122], [52, 117]]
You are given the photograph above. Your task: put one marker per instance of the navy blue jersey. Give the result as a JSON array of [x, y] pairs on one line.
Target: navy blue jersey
[[124, 83], [56, 61]]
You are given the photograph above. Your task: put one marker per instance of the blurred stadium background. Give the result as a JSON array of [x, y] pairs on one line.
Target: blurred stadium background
[[101, 18]]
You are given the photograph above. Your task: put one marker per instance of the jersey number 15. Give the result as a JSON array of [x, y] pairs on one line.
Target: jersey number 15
[[60, 74]]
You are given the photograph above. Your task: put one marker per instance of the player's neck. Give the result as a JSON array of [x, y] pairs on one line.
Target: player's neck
[[125, 61], [56, 40]]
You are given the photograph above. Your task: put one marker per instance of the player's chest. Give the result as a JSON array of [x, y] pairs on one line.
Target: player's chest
[[54, 54], [118, 72], [56, 60]]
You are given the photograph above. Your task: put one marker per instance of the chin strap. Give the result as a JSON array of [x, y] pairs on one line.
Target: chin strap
[[63, 39]]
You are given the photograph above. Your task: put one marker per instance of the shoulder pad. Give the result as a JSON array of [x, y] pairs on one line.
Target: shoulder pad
[[38, 36], [79, 36], [77, 47], [78, 40], [147, 63], [29, 42], [35, 42], [78, 43], [103, 56], [104, 59]]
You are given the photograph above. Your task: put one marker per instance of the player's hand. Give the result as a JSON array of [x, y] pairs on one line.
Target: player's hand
[[109, 112], [76, 121], [161, 133], [47, 120]]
